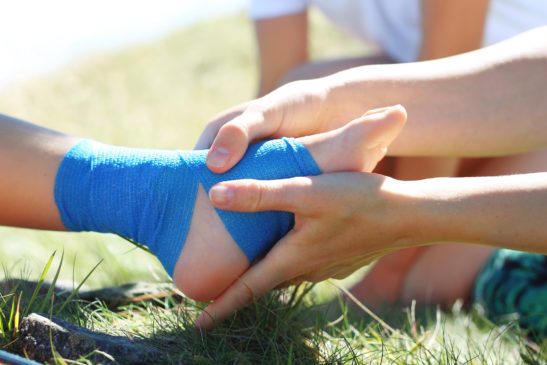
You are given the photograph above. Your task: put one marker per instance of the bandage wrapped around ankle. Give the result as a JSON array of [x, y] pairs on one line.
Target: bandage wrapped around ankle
[[148, 196]]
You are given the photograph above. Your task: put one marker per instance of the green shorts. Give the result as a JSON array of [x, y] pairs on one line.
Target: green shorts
[[515, 282]]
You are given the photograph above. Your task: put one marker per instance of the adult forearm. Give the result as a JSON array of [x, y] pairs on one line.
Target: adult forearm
[[484, 103], [501, 211], [29, 158]]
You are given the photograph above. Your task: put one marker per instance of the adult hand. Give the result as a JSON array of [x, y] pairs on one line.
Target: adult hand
[[293, 110], [342, 222]]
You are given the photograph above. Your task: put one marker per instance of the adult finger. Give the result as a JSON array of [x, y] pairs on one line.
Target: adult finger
[[262, 277], [297, 195], [234, 137], [210, 131]]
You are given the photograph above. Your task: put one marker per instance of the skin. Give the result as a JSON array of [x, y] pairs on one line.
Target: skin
[[283, 47], [346, 220], [30, 157], [210, 259], [448, 27], [451, 27], [487, 104]]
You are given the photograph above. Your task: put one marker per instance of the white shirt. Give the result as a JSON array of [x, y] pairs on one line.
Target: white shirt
[[395, 25]]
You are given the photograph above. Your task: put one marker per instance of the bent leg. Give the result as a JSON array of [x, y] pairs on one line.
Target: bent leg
[[444, 273]]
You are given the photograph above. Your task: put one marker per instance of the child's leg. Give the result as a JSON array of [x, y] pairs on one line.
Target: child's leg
[[149, 196], [444, 273], [423, 273]]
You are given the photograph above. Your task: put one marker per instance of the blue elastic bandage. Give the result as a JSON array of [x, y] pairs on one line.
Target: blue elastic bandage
[[148, 196]]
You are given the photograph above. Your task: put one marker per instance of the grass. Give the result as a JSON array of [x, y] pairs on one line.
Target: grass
[[160, 95], [19, 298]]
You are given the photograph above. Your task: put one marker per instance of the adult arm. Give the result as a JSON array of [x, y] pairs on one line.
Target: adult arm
[[29, 159], [282, 45], [488, 102], [448, 27], [346, 220], [451, 27]]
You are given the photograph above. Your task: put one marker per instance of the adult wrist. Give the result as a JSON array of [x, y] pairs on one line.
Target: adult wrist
[[404, 212], [438, 210], [351, 93]]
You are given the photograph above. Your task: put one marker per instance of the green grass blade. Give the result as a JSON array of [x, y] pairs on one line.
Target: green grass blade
[[51, 288], [4, 302], [78, 288], [17, 314], [2, 331], [6, 331], [301, 296], [39, 285], [11, 314], [136, 244]]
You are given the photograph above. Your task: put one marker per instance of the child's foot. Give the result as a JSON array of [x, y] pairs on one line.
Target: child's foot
[[211, 260]]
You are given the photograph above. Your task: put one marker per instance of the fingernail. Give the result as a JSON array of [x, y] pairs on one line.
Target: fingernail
[[219, 157], [221, 195]]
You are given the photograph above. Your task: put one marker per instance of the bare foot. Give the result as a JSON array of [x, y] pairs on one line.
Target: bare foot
[[211, 260]]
